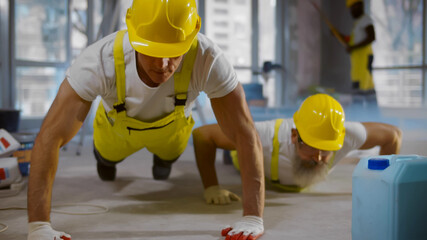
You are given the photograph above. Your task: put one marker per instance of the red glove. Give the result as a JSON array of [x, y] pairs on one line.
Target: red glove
[[248, 228]]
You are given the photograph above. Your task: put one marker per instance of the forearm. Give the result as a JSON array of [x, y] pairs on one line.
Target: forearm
[[236, 123], [44, 163], [63, 121], [252, 174], [205, 153]]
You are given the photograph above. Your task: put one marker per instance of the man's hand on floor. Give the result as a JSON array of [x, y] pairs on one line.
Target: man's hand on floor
[[218, 196], [43, 231], [247, 228]]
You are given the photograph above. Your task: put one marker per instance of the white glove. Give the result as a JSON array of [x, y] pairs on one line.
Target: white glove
[[218, 196], [43, 231], [248, 228]]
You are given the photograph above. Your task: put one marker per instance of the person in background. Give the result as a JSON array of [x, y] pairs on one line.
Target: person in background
[[360, 49], [299, 151], [148, 78]]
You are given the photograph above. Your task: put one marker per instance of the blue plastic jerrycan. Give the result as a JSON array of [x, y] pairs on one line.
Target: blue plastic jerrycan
[[389, 198]]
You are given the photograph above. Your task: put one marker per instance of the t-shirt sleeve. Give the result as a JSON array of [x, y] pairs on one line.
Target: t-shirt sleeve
[[221, 78], [366, 21], [355, 137], [356, 133], [87, 75]]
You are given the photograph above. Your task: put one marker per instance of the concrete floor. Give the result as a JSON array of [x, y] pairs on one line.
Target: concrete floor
[[141, 208]]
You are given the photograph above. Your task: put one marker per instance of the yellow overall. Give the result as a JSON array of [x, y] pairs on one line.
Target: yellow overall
[[275, 162], [361, 66], [117, 136]]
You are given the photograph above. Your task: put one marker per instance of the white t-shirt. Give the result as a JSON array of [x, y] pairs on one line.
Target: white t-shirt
[[92, 74], [359, 28], [355, 137]]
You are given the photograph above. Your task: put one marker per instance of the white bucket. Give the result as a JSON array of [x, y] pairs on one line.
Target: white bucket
[[9, 172]]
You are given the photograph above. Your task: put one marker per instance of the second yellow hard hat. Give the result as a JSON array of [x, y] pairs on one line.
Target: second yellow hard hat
[[320, 122]]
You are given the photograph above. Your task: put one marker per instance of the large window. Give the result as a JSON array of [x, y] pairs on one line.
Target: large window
[[228, 24], [40, 30], [398, 50], [40, 53], [266, 45], [48, 34]]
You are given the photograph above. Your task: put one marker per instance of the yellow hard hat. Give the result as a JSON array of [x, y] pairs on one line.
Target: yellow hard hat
[[162, 28], [320, 122], [350, 3]]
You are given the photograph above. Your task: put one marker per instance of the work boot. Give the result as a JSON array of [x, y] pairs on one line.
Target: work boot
[[162, 168], [106, 173], [106, 169]]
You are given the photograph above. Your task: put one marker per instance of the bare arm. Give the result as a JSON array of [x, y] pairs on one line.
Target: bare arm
[[387, 136], [234, 118], [62, 122], [206, 140]]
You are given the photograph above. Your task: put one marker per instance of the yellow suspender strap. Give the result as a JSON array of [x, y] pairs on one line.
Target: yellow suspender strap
[[331, 161], [182, 78], [275, 154], [119, 65]]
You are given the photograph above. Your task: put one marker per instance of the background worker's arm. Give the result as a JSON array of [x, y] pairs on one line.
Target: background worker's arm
[[370, 37], [387, 136], [234, 118], [206, 140], [62, 122]]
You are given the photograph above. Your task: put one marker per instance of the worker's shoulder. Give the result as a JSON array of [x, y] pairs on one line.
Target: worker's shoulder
[[208, 47], [103, 46], [354, 128]]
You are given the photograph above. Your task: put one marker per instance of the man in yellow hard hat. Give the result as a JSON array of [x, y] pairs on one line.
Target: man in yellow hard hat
[[298, 151], [148, 78], [360, 49]]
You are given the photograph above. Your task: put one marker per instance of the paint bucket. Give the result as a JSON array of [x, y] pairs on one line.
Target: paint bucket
[[9, 172], [389, 199], [23, 154]]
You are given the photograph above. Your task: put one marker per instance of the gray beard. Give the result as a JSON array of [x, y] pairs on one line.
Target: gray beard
[[305, 176]]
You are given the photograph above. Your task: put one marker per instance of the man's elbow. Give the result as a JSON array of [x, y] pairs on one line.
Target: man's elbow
[[397, 134], [396, 138]]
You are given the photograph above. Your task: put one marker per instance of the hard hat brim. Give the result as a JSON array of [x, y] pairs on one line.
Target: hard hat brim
[[161, 50], [324, 145]]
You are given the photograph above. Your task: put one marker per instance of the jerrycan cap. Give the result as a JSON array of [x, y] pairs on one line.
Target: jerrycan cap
[[378, 163]]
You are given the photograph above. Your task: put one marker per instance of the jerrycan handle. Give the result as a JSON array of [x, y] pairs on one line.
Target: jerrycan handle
[[406, 157], [378, 163]]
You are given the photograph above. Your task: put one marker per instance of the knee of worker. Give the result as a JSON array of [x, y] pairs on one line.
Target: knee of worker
[[171, 156], [104, 160], [200, 135], [157, 158]]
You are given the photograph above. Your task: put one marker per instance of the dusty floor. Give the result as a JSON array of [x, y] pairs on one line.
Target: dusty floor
[[142, 208]]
